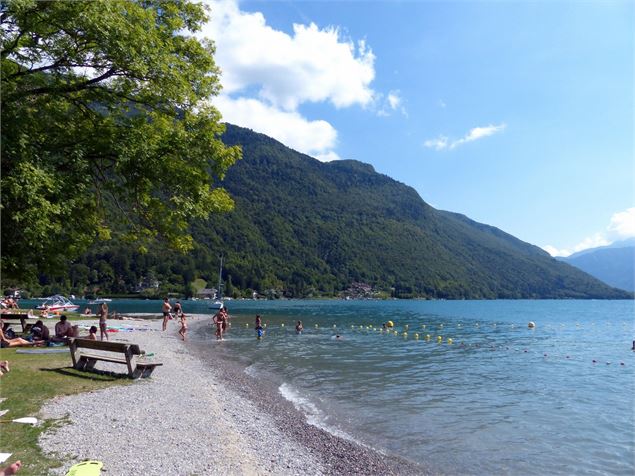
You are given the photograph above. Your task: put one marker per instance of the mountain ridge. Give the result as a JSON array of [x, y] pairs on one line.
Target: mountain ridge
[[303, 228], [613, 264]]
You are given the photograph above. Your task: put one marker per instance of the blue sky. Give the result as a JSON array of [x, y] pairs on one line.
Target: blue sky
[[517, 114]]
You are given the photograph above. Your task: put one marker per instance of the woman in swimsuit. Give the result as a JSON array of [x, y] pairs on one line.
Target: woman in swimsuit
[[219, 319], [103, 316]]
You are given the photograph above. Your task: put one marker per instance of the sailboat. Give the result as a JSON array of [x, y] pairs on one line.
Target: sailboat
[[218, 303]]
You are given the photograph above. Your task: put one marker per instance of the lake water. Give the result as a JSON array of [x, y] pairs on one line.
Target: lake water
[[500, 399]]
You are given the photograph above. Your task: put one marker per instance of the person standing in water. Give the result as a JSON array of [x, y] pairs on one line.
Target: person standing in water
[[299, 328], [219, 319], [225, 319], [103, 316], [259, 330], [166, 312]]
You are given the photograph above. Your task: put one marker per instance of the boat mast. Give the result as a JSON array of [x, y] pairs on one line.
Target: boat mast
[[220, 280]]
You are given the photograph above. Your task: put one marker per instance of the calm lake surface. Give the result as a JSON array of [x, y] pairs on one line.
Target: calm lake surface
[[501, 399]]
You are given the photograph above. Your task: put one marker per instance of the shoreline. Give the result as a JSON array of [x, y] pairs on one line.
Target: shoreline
[[339, 455], [200, 413]]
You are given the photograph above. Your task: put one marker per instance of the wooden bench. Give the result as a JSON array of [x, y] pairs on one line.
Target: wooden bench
[[119, 353]]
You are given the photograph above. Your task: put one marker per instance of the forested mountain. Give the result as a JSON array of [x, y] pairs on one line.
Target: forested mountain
[[615, 264], [303, 228]]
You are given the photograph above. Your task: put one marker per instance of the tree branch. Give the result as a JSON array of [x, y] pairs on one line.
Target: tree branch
[[72, 88]]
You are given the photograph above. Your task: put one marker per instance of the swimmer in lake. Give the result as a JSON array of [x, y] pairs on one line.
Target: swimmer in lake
[[259, 330], [299, 328]]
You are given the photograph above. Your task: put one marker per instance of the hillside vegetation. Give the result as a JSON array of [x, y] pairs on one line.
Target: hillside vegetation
[[302, 228]]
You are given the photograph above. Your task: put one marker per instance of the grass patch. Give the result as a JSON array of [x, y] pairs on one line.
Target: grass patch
[[33, 379]]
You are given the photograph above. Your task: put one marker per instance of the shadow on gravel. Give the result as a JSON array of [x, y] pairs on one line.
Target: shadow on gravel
[[93, 375]]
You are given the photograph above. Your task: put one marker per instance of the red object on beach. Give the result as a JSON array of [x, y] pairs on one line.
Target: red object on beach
[[112, 330]]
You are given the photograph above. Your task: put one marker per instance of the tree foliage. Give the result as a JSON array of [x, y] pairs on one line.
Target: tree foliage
[[106, 128]]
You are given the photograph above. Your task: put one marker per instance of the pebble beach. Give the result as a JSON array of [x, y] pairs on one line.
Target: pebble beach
[[198, 414]]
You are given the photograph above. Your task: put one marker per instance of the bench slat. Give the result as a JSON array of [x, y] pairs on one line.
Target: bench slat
[[105, 358], [106, 345]]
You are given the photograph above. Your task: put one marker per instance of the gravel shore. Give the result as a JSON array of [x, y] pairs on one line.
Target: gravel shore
[[198, 414]]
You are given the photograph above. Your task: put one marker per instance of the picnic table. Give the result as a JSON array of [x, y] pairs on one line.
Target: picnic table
[[21, 318]]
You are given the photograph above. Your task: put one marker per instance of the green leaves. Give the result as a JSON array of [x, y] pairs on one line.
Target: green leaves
[[106, 128]]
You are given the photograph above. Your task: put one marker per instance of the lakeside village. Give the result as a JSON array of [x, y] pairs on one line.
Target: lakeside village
[[148, 289]]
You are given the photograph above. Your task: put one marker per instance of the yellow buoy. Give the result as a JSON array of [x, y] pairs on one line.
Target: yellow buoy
[[427, 336], [406, 327], [282, 325], [334, 326], [390, 324], [450, 341], [416, 335], [439, 338], [316, 326], [531, 324]]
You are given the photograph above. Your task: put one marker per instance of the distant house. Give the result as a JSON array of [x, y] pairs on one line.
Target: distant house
[[147, 284], [206, 293]]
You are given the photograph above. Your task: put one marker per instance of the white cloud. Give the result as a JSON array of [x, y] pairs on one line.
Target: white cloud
[[439, 143], [394, 100], [311, 65], [267, 74], [622, 224], [315, 138], [621, 227], [442, 142], [385, 105]]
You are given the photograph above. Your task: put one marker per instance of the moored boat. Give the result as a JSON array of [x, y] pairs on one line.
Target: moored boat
[[58, 303]]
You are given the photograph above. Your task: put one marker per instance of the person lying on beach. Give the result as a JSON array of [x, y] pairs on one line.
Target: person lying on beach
[[299, 328], [16, 341], [92, 333], [183, 329], [11, 469]]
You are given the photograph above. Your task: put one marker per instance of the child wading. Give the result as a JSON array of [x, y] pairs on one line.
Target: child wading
[[259, 330], [183, 329]]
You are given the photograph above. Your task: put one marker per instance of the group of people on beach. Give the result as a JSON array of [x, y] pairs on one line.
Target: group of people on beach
[[40, 335], [169, 313], [9, 303]]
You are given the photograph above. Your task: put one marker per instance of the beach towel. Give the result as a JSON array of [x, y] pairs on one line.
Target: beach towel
[[41, 351], [86, 468]]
